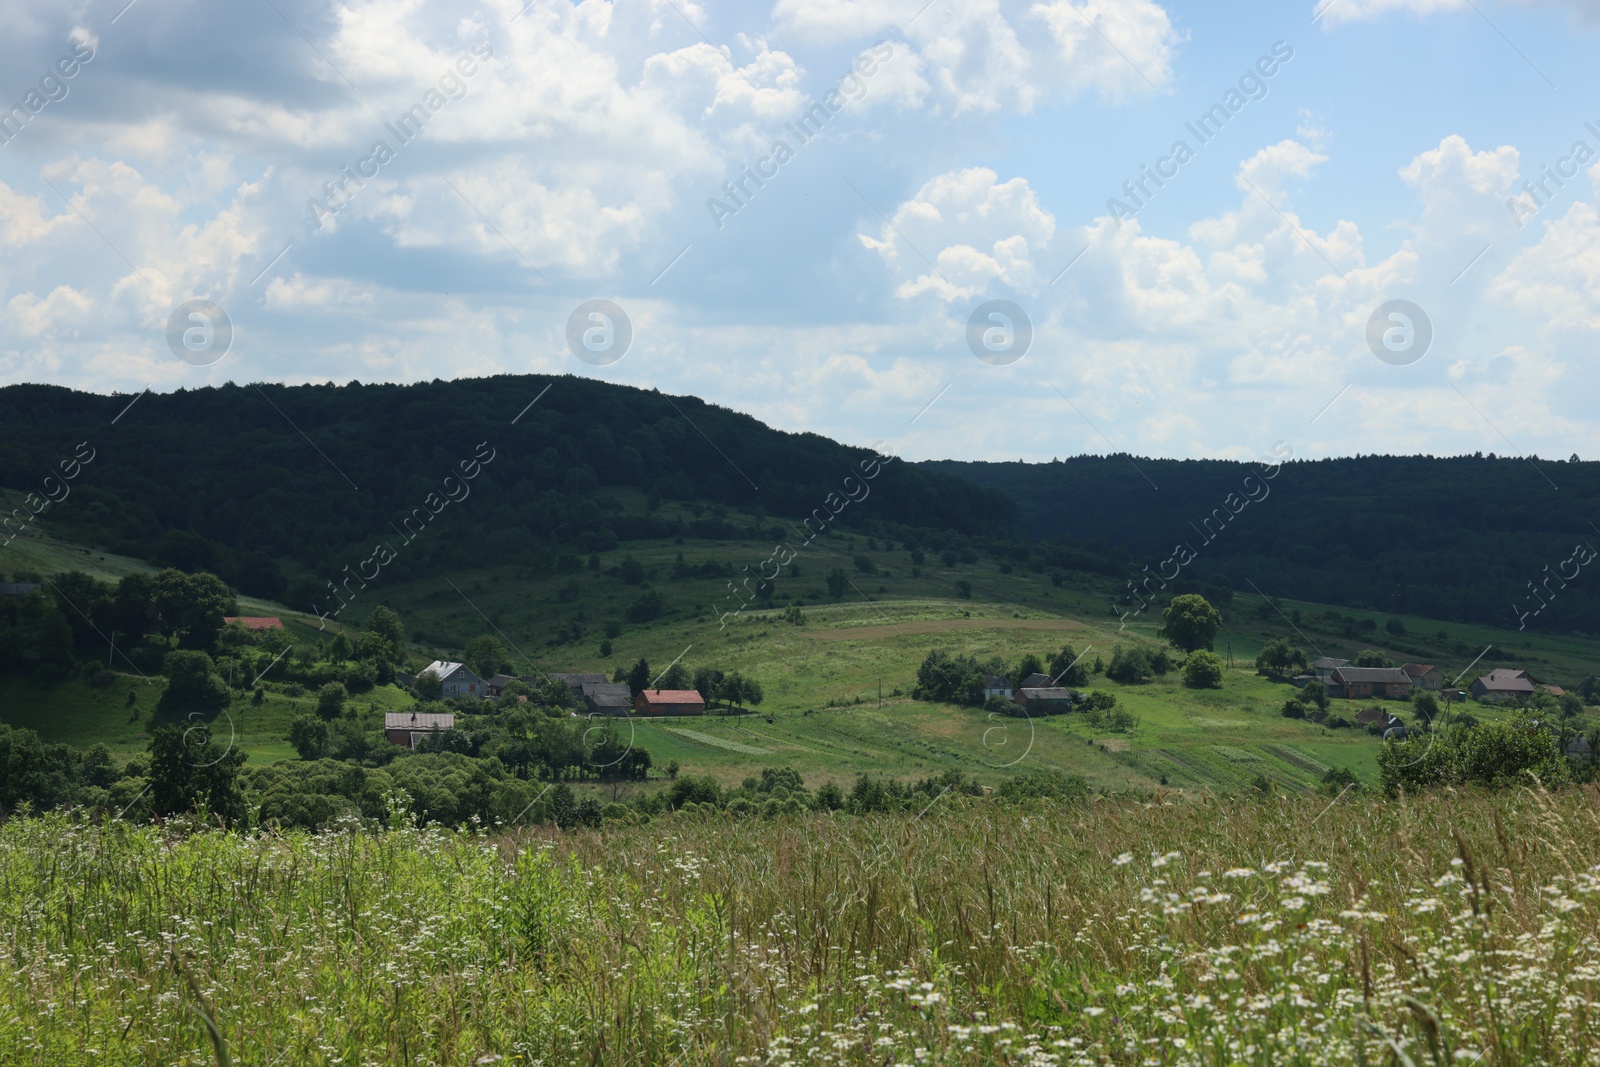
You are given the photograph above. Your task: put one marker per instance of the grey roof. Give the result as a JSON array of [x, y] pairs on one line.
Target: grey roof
[[502, 680], [609, 695], [582, 681], [412, 720], [1579, 746], [1327, 663], [996, 681], [444, 668], [1046, 692], [1386, 675], [1034, 681], [18, 588], [1507, 680], [1417, 668]]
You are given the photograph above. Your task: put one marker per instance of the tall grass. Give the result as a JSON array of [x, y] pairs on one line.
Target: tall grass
[[1454, 928]]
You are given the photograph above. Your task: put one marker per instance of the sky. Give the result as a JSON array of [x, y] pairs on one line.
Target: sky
[[960, 229]]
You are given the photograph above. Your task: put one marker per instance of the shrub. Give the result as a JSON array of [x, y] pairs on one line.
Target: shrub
[[1202, 670]]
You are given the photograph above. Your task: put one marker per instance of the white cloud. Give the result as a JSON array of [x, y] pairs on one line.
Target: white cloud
[[977, 230]]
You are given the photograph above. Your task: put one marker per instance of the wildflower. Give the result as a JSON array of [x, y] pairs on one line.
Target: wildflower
[[1124, 859]]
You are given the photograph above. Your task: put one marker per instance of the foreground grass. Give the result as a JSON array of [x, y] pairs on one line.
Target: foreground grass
[[1456, 928]]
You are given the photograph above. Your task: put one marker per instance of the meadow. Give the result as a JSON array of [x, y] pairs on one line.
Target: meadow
[[1452, 928]]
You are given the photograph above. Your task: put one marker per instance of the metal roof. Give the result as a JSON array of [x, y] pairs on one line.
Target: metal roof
[[414, 720]]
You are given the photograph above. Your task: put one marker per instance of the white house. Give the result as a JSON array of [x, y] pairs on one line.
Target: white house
[[458, 680], [997, 686]]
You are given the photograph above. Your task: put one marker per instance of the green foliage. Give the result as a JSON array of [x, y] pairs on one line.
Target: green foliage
[[330, 700], [1338, 780], [1202, 670], [838, 582], [429, 685], [193, 685], [1130, 665], [1067, 669], [943, 678], [486, 655], [1190, 622], [647, 607], [863, 564], [1510, 752], [1371, 657], [189, 771], [1280, 656]]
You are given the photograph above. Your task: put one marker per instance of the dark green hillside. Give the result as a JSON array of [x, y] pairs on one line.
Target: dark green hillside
[[1450, 538], [280, 489]]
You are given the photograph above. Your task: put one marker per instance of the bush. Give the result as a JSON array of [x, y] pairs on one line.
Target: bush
[[1495, 754], [1130, 665], [647, 607], [863, 564], [1203, 670]]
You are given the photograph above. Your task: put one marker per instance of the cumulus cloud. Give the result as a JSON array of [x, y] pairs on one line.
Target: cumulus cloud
[[977, 229]]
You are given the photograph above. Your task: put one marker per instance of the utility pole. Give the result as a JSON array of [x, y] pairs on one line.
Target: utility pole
[[880, 692], [111, 650]]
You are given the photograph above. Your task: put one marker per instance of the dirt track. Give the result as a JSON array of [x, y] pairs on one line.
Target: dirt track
[[934, 626]]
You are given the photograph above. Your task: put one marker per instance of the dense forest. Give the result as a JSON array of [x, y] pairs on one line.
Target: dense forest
[[279, 489], [282, 490], [1450, 538]]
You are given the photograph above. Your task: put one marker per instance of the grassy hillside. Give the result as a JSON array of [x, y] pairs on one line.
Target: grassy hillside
[[822, 713]]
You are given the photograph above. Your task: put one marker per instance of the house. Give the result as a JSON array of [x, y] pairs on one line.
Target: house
[[1356, 683], [1579, 750], [607, 698], [408, 727], [1503, 683], [577, 684], [997, 686], [255, 622], [1046, 700], [458, 680], [669, 702], [1424, 675], [1036, 681], [1323, 668], [18, 588], [497, 684]]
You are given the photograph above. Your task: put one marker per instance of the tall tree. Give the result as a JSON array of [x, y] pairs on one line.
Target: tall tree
[[1190, 622]]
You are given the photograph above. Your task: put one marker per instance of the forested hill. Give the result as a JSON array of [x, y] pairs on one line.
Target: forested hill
[[260, 484], [1454, 538]]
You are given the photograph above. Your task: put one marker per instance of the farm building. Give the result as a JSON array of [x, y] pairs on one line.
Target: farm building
[[577, 684], [408, 727], [669, 702], [1377, 717], [1047, 700], [458, 680], [1356, 683], [1503, 683], [1323, 668], [607, 698], [18, 588], [497, 685]]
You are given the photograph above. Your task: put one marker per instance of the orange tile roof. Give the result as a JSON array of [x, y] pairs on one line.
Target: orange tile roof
[[255, 622], [673, 696]]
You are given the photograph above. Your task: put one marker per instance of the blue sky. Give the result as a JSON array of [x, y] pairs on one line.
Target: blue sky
[[572, 152]]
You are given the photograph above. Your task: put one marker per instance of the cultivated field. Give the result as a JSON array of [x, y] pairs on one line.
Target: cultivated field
[[1454, 928]]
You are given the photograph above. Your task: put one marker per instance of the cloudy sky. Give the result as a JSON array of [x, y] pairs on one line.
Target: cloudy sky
[[804, 209]]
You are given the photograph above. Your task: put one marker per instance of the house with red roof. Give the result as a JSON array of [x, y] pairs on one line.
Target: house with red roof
[[669, 702]]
